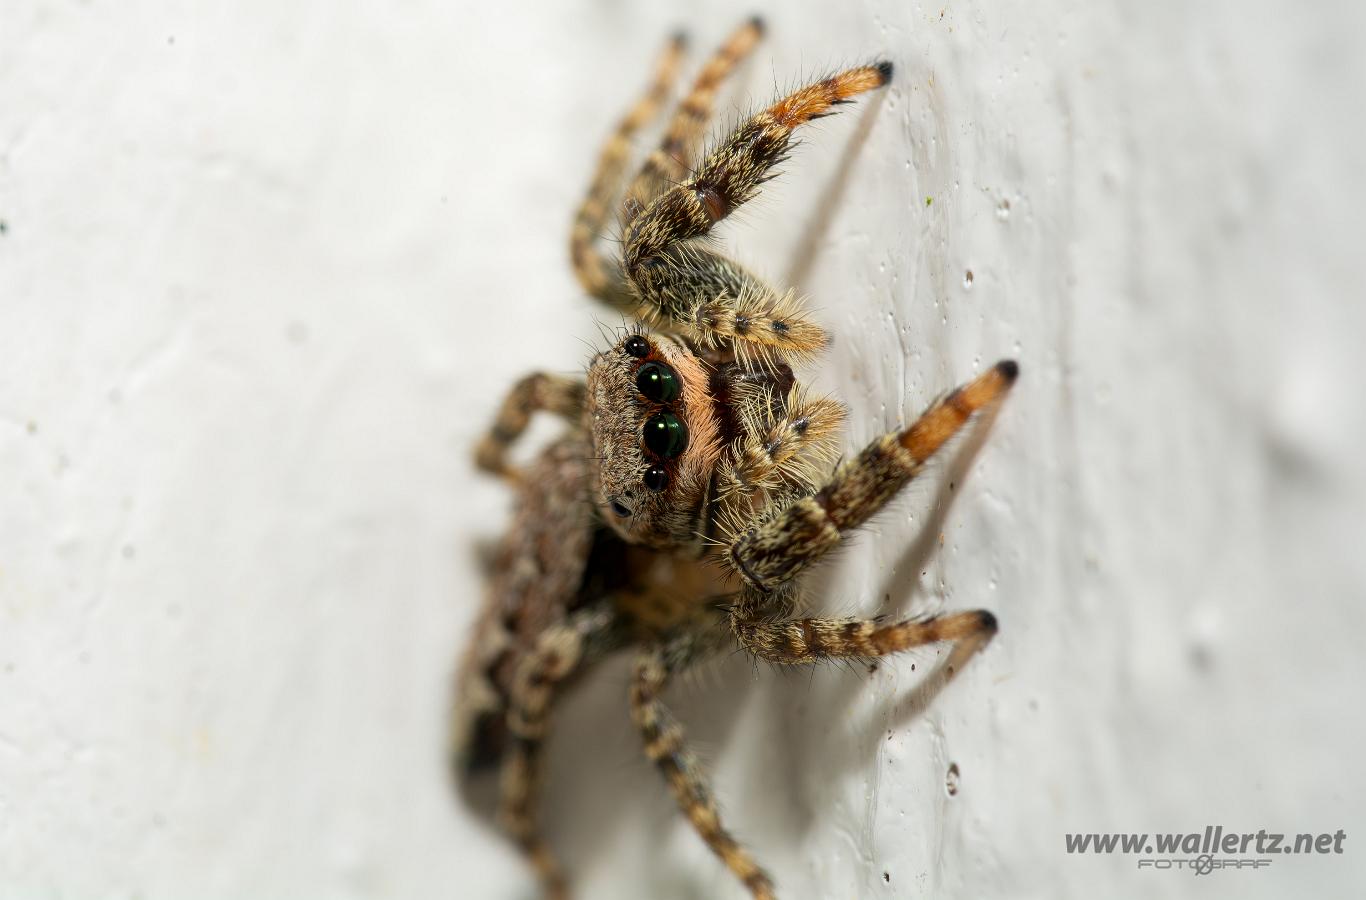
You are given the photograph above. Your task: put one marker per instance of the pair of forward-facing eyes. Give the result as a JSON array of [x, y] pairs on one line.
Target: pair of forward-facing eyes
[[664, 435]]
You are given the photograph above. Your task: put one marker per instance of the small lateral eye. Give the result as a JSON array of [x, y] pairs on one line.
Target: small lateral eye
[[656, 479], [637, 346], [658, 382], [665, 436]]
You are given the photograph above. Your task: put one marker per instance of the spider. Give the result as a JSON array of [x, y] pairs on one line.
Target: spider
[[696, 480]]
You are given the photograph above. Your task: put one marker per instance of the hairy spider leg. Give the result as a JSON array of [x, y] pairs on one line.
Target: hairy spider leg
[[773, 551], [560, 652], [664, 746], [690, 285], [671, 161], [799, 641], [599, 275], [538, 392]]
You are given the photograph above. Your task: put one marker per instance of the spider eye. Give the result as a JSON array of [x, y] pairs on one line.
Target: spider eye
[[658, 382], [637, 346], [665, 436], [656, 479]]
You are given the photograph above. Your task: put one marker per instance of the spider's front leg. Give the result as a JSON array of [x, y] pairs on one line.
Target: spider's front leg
[[600, 277], [691, 286], [665, 747], [668, 164], [538, 392]]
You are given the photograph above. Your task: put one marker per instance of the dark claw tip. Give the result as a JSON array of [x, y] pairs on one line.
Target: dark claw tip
[[679, 39], [1009, 370], [987, 620], [884, 69], [757, 23]]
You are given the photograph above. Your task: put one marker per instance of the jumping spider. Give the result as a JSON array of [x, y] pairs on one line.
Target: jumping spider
[[696, 480]]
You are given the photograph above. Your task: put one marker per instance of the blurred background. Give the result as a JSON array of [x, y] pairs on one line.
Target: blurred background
[[267, 268]]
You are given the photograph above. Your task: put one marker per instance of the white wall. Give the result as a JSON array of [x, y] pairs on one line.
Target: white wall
[[266, 270]]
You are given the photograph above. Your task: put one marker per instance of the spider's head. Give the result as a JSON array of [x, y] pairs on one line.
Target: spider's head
[[655, 438]]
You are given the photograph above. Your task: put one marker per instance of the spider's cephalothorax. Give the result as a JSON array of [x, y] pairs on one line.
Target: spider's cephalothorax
[[696, 480], [656, 438]]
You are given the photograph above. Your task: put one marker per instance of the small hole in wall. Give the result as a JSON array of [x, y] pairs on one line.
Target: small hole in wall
[[1003, 210], [967, 280], [887, 877], [951, 780]]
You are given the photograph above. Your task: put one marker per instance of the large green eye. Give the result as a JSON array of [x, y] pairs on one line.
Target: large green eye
[[665, 436], [658, 382]]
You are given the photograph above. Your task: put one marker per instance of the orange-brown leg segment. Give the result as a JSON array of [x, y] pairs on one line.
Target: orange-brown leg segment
[[671, 161], [773, 552], [536, 392], [559, 653], [800, 641], [599, 276], [664, 745], [733, 172]]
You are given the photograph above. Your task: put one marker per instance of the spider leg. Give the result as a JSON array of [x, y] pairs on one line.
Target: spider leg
[[778, 548], [798, 641], [669, 163], [536, 392], [722, 304], [732, 173], [599, 276], [690, 285], [561, 651], [665, 747]]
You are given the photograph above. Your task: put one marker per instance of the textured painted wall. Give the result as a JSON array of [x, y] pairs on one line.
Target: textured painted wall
[[265, 270]]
